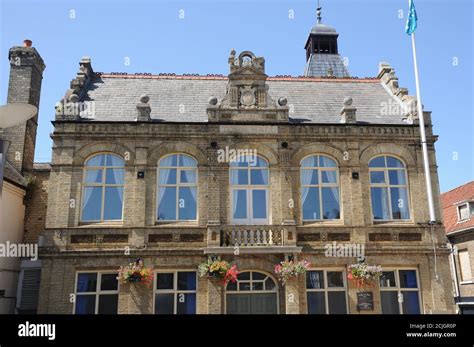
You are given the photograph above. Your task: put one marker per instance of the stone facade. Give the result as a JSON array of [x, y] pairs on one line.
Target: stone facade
[[242, 111]]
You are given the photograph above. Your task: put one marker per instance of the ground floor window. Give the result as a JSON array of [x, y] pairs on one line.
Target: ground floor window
[[400, 292], [96, 293], [253, 293], [175, 292], [326, 292]]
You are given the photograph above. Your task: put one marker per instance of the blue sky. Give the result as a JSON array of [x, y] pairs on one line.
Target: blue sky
[[196, 37]]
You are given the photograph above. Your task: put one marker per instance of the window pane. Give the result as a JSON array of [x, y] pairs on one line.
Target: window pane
[[85, 304], [337, 302], [328, 176], [108, 303], [377, 177], [269, 284], [86, 282], [463, 212], [187, 280], [388, 279], [389, 302], [310, 198], [326, 162], [240, 176], [171, 160], [114, 176], [167, 176], [239, 161], [108, 282], [394, 162], [259, 176], [377, 162], [411, 302], [186, 160], [94, 176], [113, 203], [380, 203], [399, 198], [167, 203], [232, 286], [257, 285], [310, 161], [315, 280], [187, 203], [309, 176], [92, 203], [258, 276], [243, 276], [335, 279], [256, 161], [113, 160], [397, 177], [244, 286], [239, 209], [164, 303], [188, 176], [316, 303], [186, 303], [259, 204], [98, 160], [408, 279], [331, 203], [164, 281]]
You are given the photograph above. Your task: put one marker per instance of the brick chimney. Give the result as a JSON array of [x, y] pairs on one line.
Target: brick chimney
[[26, 74]]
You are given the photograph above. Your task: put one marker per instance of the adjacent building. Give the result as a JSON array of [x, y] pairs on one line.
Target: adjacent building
[[458, 210], [19, 277]]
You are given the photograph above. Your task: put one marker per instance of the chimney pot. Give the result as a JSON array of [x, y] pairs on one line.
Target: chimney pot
[[27, 43]]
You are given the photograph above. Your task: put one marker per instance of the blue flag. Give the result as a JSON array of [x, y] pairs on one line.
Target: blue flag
[[412, 19]]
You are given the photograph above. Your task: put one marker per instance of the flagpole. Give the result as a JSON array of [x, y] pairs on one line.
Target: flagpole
[[424, 146]]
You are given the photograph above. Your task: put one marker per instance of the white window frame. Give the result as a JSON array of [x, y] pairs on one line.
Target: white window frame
[[103, 185], [461, 268], [458, 209], [175, 290], [320, 185], [177, 185], [98, 291], [249, 188], [327, 289], [399, 290], [387, 185]]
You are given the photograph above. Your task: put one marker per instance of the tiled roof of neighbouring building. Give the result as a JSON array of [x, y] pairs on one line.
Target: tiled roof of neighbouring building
[[449, 203]]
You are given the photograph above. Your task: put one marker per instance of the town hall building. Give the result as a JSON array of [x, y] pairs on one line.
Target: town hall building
[[247, 168]]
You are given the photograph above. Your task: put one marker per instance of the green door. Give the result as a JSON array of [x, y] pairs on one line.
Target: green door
[[252, 303]]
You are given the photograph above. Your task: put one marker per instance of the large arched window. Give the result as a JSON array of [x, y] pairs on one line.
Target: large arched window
[[319, 188], [177, 188], [249, 184], [388, 188], [103, 188], [253, 293]]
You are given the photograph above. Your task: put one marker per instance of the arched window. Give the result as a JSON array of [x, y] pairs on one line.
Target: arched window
[[388, 188], [249, 185], [253, 293], [319, 188], [177, 188], [102, 197]]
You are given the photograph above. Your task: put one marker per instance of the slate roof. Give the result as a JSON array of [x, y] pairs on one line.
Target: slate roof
[[449, 203], [318, 65], [185, 98]]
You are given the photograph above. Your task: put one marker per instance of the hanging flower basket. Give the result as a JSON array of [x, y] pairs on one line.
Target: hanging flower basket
[[289, 269], [363, 275], [135, 272], [219, 268]]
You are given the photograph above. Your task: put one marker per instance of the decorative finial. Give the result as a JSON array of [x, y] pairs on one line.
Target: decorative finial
[[318, 13]]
